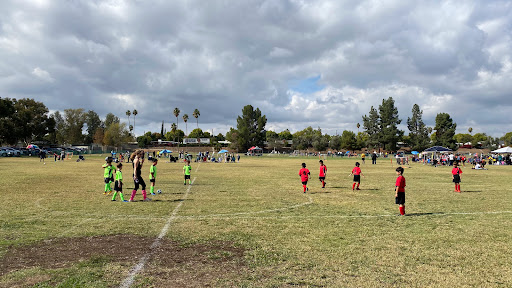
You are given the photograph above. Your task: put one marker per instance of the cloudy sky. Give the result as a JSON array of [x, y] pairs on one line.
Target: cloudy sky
[[303, 63]]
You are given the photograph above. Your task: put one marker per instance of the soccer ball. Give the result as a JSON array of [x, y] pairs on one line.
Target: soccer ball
[[159, 191]]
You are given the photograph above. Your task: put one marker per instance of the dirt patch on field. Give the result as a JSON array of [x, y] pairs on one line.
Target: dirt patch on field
[[171, 264]]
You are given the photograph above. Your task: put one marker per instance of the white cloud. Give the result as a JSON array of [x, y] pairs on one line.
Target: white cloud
[[448, 56], [42, 74]]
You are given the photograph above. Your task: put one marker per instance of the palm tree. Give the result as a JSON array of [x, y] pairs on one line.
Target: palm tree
[[128, 113], [174, 128], [134, 114], [185, 119], [196, 115], [176, 113]]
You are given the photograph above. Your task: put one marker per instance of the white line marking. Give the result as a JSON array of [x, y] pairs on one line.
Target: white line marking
[[251, 213], [128, 282], [241, 215]]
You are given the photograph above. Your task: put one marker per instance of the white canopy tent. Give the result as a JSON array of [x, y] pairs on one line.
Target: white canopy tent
[[503, 150]]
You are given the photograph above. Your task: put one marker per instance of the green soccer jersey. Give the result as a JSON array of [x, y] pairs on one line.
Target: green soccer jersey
[[119, 176], [187, 169], [109, 169], [152, 172]]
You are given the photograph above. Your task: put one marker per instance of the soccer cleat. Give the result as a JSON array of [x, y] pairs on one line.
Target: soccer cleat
[[147, 200], [184, 183], [153, 194], [113, 199], [358, 188], [105, 193], [126, 201]]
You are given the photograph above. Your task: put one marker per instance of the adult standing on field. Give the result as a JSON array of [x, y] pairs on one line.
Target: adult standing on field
[[374, 158], [137, 161]]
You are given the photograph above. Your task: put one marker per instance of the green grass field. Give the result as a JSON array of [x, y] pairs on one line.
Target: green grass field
[[248, 224]]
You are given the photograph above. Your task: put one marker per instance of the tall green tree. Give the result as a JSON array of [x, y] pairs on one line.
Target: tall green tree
[[93, 122], [304, 139], [197, 133], [463, 138], [445, 131], [388, 123], [335, 142], [507, 138], [74, 123], [7, 111], [251, 128], [116, 134], [31, 120], [111, 119], [418, 131], [372, 128], [285, 135], [348, 140]]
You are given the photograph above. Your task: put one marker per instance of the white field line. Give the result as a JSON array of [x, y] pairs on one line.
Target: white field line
[[233, 215], [128, 282], [247, 215]]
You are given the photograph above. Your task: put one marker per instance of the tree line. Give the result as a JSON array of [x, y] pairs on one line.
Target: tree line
[[27, 120]]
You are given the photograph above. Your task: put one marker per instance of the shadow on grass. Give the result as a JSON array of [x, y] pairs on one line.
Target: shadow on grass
[[321, 192], [471, 191], [424, 214]]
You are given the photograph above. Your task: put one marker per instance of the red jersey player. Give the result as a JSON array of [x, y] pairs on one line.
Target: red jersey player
[[323, 173], [400, 190], [456, 171], [357, 176], [304, 176]]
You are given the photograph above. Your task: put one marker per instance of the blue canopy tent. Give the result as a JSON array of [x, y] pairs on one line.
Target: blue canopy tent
[[435, 149], [165, 151], [415, 153], [222, 151]]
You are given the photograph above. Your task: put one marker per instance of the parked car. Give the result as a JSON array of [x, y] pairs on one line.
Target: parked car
[[15, 152], [3, 152]]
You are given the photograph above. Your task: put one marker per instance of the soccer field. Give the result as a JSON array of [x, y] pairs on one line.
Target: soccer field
[[248, 224]]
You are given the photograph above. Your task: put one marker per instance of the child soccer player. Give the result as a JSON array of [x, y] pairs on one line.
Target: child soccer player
[[152, 176], [357, 176], [304, 176], [118, 184], [400, 190], [108, 175], [186, 172], [323, 173], [456, 171]]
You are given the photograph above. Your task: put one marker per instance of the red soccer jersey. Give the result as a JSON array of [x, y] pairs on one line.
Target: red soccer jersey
[[323, 170], [356, 171], [304, 174], [400, 183], [456, 171]]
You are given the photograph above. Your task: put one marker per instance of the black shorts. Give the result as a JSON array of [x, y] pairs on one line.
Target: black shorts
[[140, 182], [401, 198], [187, 177], [118, 187], [321, 178], [108, 180], [357, 178], [456, 178], [304, 182], [152, 180]]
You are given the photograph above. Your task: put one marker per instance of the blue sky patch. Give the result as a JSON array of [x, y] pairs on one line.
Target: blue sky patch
[[306, 86]]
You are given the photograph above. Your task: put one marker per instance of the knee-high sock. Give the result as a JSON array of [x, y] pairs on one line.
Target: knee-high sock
[[151, 189], [402, 210], [304, 187], [133, 195], [353, 186], [114, 196], [122, 196], [107, 187], [323, 183], [144, 194], [358, 185]]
